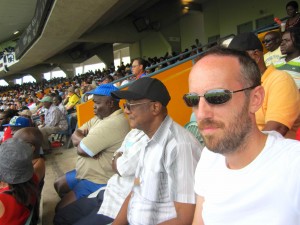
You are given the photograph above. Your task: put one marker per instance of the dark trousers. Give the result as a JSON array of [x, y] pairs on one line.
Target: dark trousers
[[82, 212]]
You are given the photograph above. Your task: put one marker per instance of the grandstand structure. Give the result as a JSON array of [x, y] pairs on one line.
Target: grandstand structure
[[63, 34]]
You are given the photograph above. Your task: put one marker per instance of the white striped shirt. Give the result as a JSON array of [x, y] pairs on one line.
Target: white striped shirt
[[166, 173]]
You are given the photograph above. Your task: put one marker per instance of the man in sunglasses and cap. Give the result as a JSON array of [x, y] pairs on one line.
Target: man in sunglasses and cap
[[163, 186], [244, 176], [281, 107]]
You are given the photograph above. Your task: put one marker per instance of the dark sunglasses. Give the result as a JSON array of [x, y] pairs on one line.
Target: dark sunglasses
[[266, 41], [214, 97], [129, 105]]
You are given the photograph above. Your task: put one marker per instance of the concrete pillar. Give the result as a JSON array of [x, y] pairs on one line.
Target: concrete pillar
[[68, 68], [105, 54], [37, 76]]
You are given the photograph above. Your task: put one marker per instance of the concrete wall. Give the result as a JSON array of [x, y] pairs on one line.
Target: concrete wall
[[222, 17], [154, 44]]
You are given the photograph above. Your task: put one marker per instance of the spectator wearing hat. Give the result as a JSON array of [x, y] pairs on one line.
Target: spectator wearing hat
[[163, 190], [96, 141], [280, 109], [54, 122], [18, 185], [71, 100]]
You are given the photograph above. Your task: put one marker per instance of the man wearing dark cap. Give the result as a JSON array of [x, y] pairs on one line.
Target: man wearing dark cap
[[96, 141], [163, 186], [280, 109]]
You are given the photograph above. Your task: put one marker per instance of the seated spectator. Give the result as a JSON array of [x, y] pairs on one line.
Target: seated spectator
[[18, 189], [138, 68], [244, 176], [34, 137], [71, 100], [57, 101], [86, 210], [290, 46], [96, 141], [281, 105], [54, 122], [163, 186], [272, 42]]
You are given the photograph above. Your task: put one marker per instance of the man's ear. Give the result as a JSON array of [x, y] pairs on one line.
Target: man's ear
[[256, 99], [257, 56], [156, 107]]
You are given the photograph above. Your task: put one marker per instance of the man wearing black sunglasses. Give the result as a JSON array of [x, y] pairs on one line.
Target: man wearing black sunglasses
[[244, 176], [281, 107], [163, 187], [272, 42]]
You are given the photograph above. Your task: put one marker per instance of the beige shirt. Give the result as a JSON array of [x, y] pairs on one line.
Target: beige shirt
[[104, 137]]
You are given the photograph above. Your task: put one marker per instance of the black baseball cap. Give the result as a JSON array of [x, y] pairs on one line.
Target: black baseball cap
[[246, 41], [146, 87]]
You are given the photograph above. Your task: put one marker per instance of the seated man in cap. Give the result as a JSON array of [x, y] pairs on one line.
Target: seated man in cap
[[164, 178], [96, 142], [54, 122], [71, 100], [281, 106]]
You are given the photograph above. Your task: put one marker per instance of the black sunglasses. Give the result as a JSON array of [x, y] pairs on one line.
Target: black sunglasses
[[214, 97], [266, 41]]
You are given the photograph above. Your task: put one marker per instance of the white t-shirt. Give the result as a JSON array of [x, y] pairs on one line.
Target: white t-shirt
[[267, 191]]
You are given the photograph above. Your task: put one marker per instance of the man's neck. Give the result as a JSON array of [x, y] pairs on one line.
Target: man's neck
[[139, 75], [247, 152], [291, 56]]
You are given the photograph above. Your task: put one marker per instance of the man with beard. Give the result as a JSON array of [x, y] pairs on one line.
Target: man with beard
[[244, 176], [96, 141], [163, 186], [290, 46], [281, 105], [272, 42]]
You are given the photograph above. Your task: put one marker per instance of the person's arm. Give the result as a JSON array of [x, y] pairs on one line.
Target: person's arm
[[279, 127], [2, 209], [39, 168], [121, 218], [198, 220], [78, 135], [114, 162], [185, 213]]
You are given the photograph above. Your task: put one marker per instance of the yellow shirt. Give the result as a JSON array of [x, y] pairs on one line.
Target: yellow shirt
[[73, 100], [105, 137], [282, 101]]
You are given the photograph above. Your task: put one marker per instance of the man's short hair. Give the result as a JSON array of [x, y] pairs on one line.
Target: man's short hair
[[141, 61], [250, 72]]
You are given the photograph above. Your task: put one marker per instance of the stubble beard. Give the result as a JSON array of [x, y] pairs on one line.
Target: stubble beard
[[234, 136]]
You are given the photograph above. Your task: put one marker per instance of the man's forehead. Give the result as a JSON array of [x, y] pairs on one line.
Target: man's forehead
[[215, 68]]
